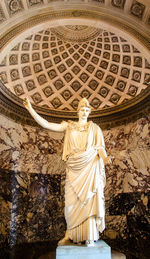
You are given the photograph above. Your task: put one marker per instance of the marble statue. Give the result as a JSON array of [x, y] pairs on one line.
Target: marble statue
[[85, 156]]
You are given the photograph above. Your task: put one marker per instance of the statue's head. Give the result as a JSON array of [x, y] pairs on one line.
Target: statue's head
[[84, 109], [84, 103]]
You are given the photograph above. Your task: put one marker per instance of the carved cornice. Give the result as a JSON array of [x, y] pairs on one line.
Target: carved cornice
[[67, 14]]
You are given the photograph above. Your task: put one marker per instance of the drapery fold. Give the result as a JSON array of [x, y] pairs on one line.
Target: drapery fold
[[85, 180]]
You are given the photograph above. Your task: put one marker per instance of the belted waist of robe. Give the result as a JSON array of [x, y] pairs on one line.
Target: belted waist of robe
[[83, 173]]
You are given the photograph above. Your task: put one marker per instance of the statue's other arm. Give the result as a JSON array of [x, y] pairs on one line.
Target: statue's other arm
[[102, 152], [41, 121]]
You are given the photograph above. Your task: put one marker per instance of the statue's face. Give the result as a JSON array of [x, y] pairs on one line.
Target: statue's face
[[83, 113]]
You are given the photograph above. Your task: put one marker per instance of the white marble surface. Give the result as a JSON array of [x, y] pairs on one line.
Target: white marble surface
[[71, 251]]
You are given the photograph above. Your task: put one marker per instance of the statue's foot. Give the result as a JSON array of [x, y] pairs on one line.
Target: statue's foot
[[64, 240], [89, 243]]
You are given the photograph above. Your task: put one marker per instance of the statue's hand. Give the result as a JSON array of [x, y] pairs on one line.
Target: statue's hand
[[108, 160], [27, 103]]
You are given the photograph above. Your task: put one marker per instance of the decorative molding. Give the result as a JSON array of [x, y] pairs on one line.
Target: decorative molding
[[137, 9], [76, 33], [2, 16], [34, 2], [118, 3], [14, 6], [37, 19]]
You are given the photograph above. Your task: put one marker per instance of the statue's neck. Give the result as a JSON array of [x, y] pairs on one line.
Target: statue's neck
[[82, 121]]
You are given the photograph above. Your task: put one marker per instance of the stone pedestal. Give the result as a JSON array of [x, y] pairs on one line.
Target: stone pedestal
[[71, 251]]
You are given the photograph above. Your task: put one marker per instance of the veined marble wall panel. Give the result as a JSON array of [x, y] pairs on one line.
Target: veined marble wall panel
[[30, 175], [31, 207], [130, 147], [29, 149]]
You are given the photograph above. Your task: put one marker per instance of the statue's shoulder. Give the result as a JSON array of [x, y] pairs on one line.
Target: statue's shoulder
[[93, 124], [72, 124], [69, 125], [64, 124]]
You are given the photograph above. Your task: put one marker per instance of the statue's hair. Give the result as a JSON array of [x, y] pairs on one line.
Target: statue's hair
[[84, 103]]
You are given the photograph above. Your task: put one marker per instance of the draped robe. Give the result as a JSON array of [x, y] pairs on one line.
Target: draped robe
[[85, 181]]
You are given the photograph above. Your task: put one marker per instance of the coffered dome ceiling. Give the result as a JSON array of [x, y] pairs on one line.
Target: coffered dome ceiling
[[58, 65]]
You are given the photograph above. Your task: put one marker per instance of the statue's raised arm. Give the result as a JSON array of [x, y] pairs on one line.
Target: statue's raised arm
[[41, 121]]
